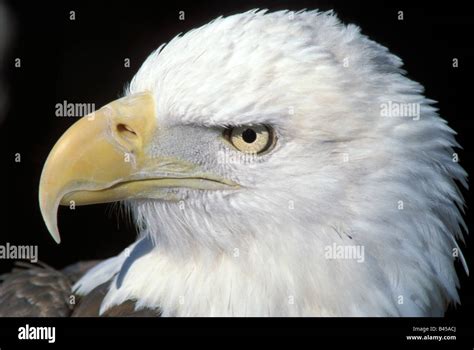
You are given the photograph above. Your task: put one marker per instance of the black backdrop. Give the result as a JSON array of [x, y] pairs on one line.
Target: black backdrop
[[83, 61]]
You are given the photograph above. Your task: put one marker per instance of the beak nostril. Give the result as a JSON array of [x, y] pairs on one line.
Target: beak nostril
[[125, 129]]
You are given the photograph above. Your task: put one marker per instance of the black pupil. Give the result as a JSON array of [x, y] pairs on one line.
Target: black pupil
[[249, 135]]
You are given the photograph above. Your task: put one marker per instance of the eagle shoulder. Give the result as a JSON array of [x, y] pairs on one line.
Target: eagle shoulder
[[42, 291], [35, 291]]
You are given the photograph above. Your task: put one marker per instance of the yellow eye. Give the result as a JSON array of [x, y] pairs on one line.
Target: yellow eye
[[250, 139]]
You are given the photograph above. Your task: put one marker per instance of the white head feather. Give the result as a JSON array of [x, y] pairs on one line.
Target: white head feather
[[340, 174]]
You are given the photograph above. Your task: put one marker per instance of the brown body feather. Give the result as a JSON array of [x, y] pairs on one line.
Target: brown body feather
[[42, 291]]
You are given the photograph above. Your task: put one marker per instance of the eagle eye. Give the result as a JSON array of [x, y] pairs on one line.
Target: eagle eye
[[250, 138]]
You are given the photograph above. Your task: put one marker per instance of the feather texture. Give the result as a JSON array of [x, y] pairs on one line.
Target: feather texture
[[342, 174]]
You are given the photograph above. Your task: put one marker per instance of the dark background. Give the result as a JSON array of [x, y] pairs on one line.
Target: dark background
[[83, 61]]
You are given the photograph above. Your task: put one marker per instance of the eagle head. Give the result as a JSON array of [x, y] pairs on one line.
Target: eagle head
[[275, 164]]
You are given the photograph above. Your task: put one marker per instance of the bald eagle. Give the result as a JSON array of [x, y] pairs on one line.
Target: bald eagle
[[276, 164]]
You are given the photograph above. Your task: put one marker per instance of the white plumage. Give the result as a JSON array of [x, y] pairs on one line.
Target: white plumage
[[341, 173]]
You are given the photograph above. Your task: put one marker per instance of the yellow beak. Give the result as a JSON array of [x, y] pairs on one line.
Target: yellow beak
[[103, 158]]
